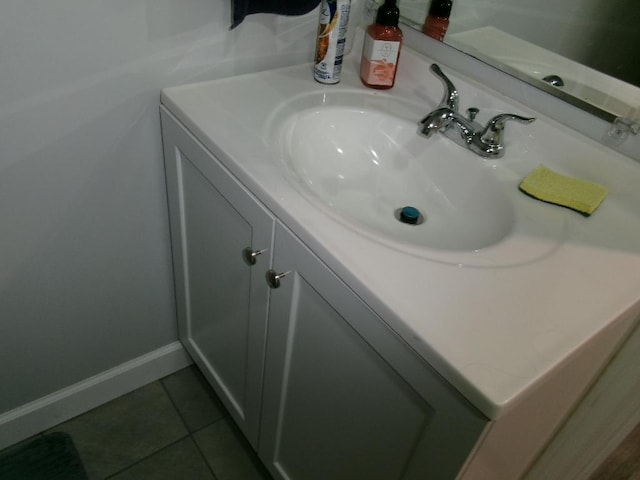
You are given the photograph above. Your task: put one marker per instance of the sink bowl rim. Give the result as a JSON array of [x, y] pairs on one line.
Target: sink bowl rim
[[515, 247]]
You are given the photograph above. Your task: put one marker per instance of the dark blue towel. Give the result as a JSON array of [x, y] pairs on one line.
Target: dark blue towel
[[242, 8]]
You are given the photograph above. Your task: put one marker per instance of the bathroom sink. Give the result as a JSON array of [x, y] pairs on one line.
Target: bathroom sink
[[364, 161], [485, 288], [356, 156]]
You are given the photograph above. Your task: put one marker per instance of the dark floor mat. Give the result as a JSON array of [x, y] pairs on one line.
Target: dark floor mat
[[52, 456]]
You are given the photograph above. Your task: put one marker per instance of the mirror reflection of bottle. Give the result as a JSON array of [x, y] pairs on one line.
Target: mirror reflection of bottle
[[381, 50], [437, 21]]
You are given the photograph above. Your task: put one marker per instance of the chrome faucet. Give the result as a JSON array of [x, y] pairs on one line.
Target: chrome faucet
[[485, 141]]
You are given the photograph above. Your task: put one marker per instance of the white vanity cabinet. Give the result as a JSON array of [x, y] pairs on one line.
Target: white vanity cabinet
[[221, 300], [344, 398], [340, 396]]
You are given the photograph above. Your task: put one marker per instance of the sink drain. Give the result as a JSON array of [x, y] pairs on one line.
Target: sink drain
[[409, 215]]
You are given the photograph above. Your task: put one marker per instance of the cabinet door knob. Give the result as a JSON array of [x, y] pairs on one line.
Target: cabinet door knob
[[249, 256], [273, 278]]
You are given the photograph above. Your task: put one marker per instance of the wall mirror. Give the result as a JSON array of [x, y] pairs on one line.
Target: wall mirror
[[582, 51]]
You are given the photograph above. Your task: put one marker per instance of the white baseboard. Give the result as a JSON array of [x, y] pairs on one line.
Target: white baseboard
[[57, 407]]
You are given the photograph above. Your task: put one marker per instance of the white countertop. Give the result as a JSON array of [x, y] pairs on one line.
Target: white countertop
[[494, 329]]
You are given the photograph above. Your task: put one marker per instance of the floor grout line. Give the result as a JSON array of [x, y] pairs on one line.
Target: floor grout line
[[204, 458], [186, 426], [137, 462]]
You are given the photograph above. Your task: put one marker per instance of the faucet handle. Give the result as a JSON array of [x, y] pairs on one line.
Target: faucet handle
[[492, 133], [451, 98]]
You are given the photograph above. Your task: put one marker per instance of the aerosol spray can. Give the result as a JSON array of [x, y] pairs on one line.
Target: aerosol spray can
[[332, 31]]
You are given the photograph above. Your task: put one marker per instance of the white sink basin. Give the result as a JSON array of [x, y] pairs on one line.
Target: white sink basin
[[366, 165], [359, 157]]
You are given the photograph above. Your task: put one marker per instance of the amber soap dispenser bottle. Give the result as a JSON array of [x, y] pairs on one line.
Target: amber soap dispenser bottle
[[381, 50]]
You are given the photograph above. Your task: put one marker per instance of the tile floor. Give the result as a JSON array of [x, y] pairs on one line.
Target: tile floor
[[174, 428]]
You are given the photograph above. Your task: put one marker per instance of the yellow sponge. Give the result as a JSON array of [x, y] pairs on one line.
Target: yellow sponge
[[579, 195]]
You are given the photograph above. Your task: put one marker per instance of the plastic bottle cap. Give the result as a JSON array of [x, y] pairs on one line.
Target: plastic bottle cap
[[388, 14], [409, 215], [440, 8]]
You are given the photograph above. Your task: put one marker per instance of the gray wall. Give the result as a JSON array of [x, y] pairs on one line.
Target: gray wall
[[85, 274]]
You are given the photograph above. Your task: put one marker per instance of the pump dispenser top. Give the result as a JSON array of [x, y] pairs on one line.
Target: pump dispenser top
[[441, 8], [388, 14]]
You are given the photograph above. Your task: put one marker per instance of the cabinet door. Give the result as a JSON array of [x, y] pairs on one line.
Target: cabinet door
[[337, 404], [221, 300]]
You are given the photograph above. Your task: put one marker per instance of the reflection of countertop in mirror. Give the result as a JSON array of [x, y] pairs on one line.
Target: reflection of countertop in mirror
[[520, 57]]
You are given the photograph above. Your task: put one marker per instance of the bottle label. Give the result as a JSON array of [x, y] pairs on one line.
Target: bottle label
[[334, 16], [379, 58]]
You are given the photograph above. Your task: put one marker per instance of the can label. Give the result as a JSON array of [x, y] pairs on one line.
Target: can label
[[332, 31]]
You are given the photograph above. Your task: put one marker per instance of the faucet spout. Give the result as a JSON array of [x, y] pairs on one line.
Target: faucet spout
[[436, 121]]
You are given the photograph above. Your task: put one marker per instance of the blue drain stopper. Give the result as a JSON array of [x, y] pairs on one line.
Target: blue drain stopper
[[409, 215]]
